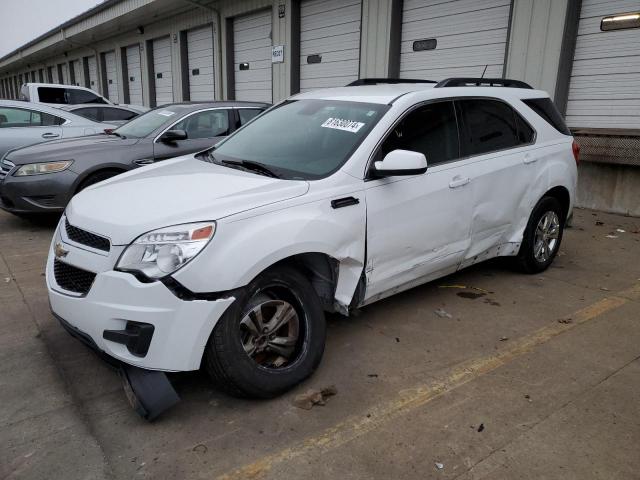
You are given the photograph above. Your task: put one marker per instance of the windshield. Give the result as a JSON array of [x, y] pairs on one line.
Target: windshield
[[302, 139], [145, 124]]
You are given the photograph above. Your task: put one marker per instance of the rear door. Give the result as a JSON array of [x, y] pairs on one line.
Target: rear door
[[495, 139], [418, 226], [22, 126], [204, 129]]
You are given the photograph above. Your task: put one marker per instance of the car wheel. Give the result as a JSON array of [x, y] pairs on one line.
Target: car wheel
[[270, 339], [542, 236], [97, 177]]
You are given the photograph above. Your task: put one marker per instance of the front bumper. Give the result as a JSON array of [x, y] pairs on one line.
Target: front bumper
[[181, 328], [38, 193]]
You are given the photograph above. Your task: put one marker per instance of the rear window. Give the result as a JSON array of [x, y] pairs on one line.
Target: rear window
[[109, 114], [77, 96], [489, 126], [52, 95], [92, 113], [547, 110]]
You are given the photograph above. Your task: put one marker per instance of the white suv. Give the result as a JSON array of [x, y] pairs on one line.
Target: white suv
[[329, 201]]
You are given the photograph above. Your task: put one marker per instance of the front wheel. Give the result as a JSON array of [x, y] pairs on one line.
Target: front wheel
[[270, 339], [542, 237]]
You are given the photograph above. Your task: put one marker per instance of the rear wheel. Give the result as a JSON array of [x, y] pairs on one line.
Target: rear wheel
[[270, 339], [542, 237]]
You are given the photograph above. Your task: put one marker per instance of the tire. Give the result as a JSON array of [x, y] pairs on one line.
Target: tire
[[247, 363], [97, 177], [534, 257]]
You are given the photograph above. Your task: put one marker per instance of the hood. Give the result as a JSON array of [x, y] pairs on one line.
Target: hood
[[68, 148], [181, 190]]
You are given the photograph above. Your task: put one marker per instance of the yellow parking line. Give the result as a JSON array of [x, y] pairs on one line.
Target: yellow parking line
[[407, 400]]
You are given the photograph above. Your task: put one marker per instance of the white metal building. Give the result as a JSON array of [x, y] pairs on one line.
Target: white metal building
[[585, 53]]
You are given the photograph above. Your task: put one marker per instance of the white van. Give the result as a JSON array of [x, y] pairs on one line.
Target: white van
[[55, 94]]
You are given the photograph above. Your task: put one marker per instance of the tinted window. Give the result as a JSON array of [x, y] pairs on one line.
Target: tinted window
[[92, 113], [247, 114], [489, 125], [430, 129], [19, 117], [547, 110], [303, 138], [52, 95], [526, 134], [83, 96], [212, 123], [117, 114], [147, 123]]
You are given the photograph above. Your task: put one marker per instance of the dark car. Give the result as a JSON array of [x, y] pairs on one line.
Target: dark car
[[42, 178]]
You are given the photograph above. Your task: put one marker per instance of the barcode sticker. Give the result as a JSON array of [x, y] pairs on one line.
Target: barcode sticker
[[341, 124]]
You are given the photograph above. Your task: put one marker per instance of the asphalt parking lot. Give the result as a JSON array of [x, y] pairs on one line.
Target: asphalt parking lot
[[484, 374]]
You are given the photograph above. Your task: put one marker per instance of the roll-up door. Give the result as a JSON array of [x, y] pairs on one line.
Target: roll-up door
[[134, 74], [453, 39], [200, 63], [93, 73], [64, 73], [162, 70], [252, 57], [111, 72], [76, 68], [329, 43], [53, 72], [604, 90]]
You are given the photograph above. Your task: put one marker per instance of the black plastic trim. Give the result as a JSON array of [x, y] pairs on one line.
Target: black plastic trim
[[136, 337], [344, 202], [391, 81], [480, 82], [183, 293]]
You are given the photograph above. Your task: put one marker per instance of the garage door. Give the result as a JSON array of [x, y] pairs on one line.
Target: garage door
[[252, 56], [604, 90], [53, 72], [329, 43], [93, 73], [162, 70], [134, 74], [453, 39], [112, 76], [64, 71], [200, 63], [77, 73]]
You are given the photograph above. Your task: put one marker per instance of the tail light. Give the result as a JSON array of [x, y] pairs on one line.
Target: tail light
[[576, 151]]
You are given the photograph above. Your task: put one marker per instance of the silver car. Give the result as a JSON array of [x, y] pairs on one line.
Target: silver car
[[25, 123]]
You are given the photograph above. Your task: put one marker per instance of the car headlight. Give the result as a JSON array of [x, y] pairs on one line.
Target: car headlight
[[161, 252], [42, 168]]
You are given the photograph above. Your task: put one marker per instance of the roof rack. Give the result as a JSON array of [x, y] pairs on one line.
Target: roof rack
[[482, 82], [376, 81]]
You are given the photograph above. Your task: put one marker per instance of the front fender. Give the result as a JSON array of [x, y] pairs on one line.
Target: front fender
[[243, 248]]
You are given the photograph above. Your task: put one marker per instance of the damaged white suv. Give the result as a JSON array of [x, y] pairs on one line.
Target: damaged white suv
[[331, 200]]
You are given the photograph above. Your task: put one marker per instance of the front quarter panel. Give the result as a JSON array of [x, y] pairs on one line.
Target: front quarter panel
[[245, 245]]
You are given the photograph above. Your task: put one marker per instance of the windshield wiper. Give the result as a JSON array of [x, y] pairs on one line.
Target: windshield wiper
[[253, 166]]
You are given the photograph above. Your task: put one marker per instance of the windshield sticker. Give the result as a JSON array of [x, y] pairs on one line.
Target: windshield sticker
[[166, 113], [341, 124]]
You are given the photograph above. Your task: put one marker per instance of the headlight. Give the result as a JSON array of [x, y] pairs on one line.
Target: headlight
[[42, 168], [161, 252]]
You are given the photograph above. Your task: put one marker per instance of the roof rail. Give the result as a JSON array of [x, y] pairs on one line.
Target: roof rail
[[482, 82], [376, 81]]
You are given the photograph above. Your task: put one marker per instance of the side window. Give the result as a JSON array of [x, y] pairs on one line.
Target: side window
[[547, 110], [52, 95], [14, 117], [488, 125], [208, 124], [82, 96], [92, 113], [117, 114], [247, 114], [526, 134], [430, 129]]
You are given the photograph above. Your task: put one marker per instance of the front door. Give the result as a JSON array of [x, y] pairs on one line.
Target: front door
[[418, 226], [204, 129]]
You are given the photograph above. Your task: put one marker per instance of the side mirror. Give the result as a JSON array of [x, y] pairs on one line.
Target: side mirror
[[171, 136], [401, 162]]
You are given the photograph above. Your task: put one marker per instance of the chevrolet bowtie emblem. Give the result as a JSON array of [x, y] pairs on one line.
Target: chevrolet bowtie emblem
[[60, 251]]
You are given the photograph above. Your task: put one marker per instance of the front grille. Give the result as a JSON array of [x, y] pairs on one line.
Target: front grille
[[87, 238], [5, 167], [72, 279]]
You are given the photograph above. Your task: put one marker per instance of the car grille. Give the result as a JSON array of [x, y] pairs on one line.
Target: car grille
[[72, 279], [87, 238], [5, 167]]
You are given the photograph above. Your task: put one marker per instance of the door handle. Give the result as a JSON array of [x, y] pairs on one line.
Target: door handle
[[50, 135], [458, 182], [529, 159], [144, 161]]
